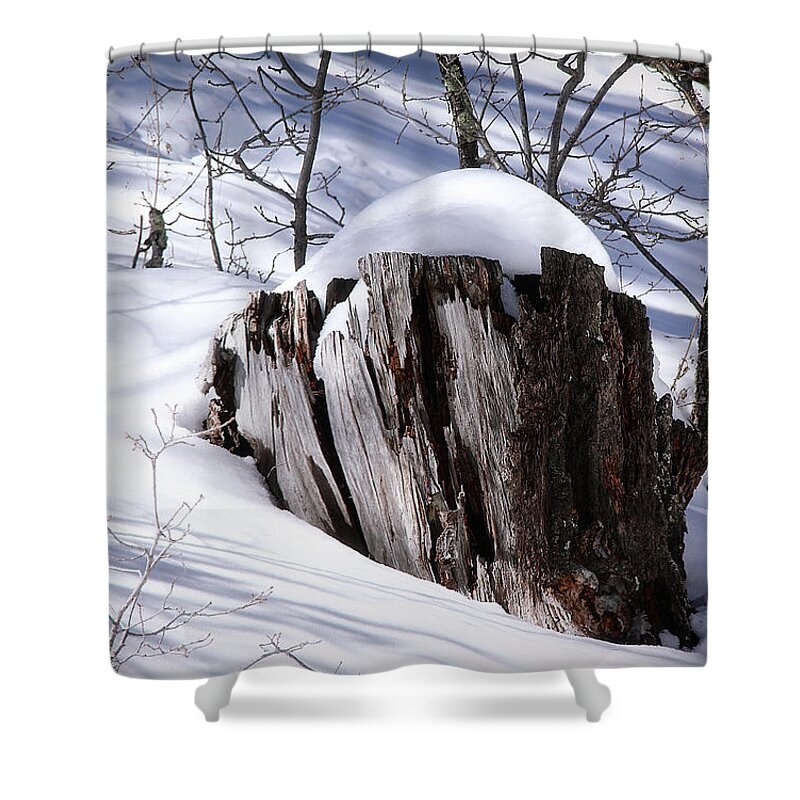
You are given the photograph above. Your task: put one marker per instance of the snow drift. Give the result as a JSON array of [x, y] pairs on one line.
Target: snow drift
[[461, 212]]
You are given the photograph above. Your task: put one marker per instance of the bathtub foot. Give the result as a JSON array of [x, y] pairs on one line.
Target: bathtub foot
[[214, 695], [591, 695]]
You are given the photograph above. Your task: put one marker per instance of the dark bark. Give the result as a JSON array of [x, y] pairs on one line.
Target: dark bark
[[700, 411], [526, 151], [573, 64], [338, 289], [139, 248], [560, 153], [208, 213], [300, 222], [605, 470], [522, 461]]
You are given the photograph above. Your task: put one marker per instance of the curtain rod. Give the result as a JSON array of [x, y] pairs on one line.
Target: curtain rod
[[369, 41]]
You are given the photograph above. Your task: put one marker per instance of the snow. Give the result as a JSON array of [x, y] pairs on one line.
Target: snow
[[458, 212], [357, 615]]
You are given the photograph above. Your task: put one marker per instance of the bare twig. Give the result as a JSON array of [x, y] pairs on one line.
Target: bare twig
[[134, 632], [273, 647]]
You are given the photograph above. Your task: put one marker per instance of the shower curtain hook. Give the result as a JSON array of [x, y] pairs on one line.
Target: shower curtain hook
[[483, 43], [267, 48], [220, 48], [175, 48], [637, 48], [419, 49], [321, 44], [141, 55], [110, 57], [369, 44], [680, 52], [533, 52], [585, 46]]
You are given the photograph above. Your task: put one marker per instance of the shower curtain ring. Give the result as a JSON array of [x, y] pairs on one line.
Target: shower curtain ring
[[369, 43], [141, 55], [110, 57], [585, 46], [419, 49], [680, 52], [483, 43], [175, 48], [533, 52], [705, 57], [321, 44], [637, 48], [220, 48], [267, 48]]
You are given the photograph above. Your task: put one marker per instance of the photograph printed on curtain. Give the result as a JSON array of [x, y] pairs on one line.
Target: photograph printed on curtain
[[406, 361]]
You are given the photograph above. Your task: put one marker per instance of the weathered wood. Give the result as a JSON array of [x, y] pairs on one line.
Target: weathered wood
[[523, 461], [260, 365]]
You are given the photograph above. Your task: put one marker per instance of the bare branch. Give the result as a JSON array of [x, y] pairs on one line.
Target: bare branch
[[272, 647], [133, 633], [527, 152], [561, 155]]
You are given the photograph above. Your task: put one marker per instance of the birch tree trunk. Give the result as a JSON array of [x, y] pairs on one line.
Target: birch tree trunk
[[460, 103], [524, 461]]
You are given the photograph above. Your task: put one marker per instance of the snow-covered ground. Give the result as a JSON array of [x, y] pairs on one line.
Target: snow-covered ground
[[361, 615], [355, 615]]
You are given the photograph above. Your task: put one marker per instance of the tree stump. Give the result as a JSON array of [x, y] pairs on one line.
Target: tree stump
[[156, 241], [523, 461]]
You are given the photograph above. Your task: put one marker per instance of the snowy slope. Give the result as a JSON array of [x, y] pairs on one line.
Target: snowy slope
[[356, 615]]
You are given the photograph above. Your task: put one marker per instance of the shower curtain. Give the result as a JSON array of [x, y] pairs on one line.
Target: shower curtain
[[407, 361]]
